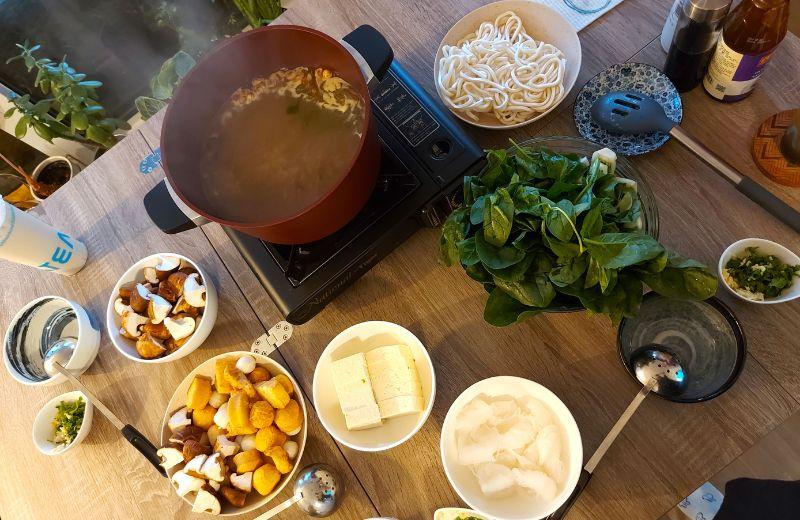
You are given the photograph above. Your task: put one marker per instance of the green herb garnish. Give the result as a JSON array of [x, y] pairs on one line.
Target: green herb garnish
[[543, 230], [69, 418], [761, 276]]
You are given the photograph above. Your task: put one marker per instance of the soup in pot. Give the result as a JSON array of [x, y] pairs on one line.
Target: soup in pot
[[281, 145]]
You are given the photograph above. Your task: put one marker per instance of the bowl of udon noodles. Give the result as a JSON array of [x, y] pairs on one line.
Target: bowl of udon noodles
[[507, 64]]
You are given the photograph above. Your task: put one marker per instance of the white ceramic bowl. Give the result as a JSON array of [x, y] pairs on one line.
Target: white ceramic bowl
[[540, 22], [43, 424], [514, 507], [765, 247], [36, 327], [362, 338], [136, 273], [178, 401]]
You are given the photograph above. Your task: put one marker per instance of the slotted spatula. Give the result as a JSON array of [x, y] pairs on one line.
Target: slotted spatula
[[630, 112]]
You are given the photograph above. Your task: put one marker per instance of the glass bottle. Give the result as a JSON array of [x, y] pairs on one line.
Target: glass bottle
[[749, 36]]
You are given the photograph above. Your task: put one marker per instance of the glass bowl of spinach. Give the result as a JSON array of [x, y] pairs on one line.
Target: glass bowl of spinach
[[558, 224]]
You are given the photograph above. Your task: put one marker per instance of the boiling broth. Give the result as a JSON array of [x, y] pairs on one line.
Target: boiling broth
[[281, 145]]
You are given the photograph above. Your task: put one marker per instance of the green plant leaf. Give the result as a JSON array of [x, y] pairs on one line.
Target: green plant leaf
[[99, 135], [21, 128], [90, 84], [502, 310], [681, 278], [467, 252], [535, 291], [569, 272], [10, 112], [478, 273], [592, 223], [561, 249], [497, 257], [516, 272], [43, 131], [616, 250], [183, 63], [453, 232], [559, 220], [476, 211], [498, 214], [79, 120], [497, 171]]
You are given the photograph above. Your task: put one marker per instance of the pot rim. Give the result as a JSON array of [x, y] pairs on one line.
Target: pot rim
[[46, 162]]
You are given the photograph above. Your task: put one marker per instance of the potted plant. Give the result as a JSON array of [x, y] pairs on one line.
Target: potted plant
[[49, 175], [72, 111]]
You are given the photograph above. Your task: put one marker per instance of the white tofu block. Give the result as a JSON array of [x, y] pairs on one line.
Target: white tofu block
[[395, 381], [354, 390]]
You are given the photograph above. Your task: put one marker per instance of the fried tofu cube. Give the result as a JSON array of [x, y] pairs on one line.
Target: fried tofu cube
[[199, 393], [222, 385], [247, 461], [204, 417], [266, 478], [268, 437], [280, 458], [238, 410], [273, 392], [213, 432], [285, 382], [261, 414], [241, 430], [238, 380], [290, 418], [258, 374]]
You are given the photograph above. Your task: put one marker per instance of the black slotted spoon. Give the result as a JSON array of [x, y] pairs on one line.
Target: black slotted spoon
[[631, 112]]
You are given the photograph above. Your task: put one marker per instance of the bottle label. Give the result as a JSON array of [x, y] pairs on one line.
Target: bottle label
[[732, 75]]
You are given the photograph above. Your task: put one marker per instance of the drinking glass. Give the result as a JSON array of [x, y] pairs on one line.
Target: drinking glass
[[587, 6]]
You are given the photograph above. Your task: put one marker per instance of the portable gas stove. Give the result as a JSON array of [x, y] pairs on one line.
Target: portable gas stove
[[425, 157]]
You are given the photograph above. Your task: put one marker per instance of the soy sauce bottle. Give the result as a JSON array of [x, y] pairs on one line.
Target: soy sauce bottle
[[749, 37], [696, 33]]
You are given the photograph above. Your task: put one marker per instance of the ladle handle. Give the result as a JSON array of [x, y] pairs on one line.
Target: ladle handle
[[286, 504], [747, 186], [144, 446], [588, 469]]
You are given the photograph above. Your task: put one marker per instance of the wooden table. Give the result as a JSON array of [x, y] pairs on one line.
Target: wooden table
[[665, 452]]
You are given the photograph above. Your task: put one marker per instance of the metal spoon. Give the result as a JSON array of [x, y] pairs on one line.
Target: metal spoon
[[56, 357], [631, 112], [658, 370], [316, 492]]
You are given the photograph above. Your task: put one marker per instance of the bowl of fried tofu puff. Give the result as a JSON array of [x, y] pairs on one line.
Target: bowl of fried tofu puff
[[374, 386], [233, 433], [161, 309]]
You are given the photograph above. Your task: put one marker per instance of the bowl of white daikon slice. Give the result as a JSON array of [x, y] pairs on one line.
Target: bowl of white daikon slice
[[511, 449]]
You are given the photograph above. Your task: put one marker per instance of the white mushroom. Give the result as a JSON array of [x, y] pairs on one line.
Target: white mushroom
[[166, 265], [248, 442], [180, 328], [217, 399], [120, 307], [291, 448], [195, 466], [221, 417], [179, 419], [150, 275], [246, 364], [131, 323], [158, 308], [214, 468], [186, 483], [193, 292], [243, 482], [206, 502], [214, 485], [226, 447], [170, 457]]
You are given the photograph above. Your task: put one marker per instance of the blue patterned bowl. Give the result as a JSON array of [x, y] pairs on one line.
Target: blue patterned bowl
[[627, 76]]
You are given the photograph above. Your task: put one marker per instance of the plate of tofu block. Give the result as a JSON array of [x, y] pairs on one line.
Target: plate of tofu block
[[374, 386]]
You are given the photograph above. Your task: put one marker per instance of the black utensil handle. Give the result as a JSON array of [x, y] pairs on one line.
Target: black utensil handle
[[373, 47], [583, 480], [767, 200], [144, 446], [164, 212]]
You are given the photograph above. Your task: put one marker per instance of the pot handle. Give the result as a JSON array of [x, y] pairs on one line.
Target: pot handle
[[168, 212], [372, 48]]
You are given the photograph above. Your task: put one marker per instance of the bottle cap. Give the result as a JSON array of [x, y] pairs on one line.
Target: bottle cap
[[707, 11]]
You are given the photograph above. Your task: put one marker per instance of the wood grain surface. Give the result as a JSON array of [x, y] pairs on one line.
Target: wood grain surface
[[665, 452]]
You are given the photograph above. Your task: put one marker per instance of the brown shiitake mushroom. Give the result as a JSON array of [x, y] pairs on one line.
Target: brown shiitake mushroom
[[182, 307], [149, 347], [235, 497], [176, 281], [166, 292], [192, 448], [157, 330], [158, 308], [126, 290], [140, 298], [189, 432], [166, 266], [187, 269]]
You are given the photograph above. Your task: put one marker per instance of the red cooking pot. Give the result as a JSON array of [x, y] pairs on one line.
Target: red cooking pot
[[180, 202]]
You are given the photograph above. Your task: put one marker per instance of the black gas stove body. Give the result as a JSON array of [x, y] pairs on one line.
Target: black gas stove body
[[425, 157]]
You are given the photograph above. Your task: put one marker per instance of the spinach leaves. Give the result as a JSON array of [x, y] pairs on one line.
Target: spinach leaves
[[545, 231]]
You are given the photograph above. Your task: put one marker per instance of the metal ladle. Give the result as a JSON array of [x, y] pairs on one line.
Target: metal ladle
[[317, 492], [658, 370], [59, 355]]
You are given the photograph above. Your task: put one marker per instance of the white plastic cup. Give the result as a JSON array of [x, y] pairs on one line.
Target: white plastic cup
[[26, 240]]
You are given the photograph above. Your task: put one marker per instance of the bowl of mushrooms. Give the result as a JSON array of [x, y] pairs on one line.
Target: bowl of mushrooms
[[161, 309]]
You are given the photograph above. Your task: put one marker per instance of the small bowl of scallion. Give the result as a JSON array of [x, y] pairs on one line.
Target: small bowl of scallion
[[760, 271], [62, 423]]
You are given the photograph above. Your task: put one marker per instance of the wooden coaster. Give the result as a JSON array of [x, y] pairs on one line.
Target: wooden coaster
[[767, 152]]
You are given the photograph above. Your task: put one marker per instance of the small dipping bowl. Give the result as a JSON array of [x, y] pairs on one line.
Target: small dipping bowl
[[703, 335], [43, 424], [765, 247], [36, 327]]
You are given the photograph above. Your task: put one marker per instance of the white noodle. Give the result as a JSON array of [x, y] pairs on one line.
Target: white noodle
[[500, 69]]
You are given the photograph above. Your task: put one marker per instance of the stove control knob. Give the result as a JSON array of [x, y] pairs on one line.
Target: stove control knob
[[440, 149]]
